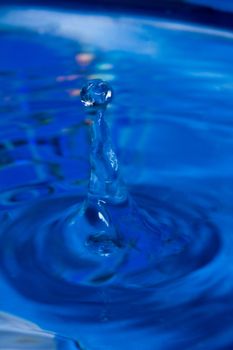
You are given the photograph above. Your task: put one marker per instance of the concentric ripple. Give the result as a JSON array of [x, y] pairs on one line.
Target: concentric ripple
[[46, 258], [171, 122], [25, 194]]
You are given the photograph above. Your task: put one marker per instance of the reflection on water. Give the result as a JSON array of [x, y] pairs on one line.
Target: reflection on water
[[172, 127], [16, 333]]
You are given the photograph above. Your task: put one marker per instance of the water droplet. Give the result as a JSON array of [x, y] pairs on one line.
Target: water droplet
[[96, 93]]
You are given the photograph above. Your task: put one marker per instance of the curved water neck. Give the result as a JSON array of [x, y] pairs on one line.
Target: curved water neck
[[105, 182]]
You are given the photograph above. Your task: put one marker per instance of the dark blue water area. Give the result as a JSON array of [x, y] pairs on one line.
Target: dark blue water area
[[171, 123]]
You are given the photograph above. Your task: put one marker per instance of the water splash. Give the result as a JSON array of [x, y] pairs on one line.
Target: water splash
[[110, 236], [157, 282], [105, 181], [108, 205], [105, 184]]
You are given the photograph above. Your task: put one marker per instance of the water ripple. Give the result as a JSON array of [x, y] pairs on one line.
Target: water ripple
[[172, 124]]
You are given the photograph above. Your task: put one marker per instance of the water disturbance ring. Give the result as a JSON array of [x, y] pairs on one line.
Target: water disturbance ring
[[115, 237]]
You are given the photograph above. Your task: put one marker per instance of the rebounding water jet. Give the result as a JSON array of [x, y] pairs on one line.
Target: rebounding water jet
[[108, 219], [105, 185], [114, 234], [105, 181]]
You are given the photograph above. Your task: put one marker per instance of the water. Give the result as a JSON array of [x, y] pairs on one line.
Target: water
[[166, 287], [19, 334]]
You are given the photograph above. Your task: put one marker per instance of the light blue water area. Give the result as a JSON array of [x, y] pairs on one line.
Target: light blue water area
[[160, 276]]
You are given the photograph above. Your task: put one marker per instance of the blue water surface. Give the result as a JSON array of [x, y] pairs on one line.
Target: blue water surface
[[172, 127]]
